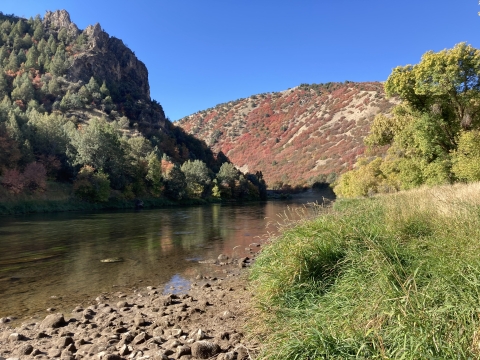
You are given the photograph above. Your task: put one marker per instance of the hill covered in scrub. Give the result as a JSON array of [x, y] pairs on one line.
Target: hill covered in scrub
[[75, 107], [311, 133]]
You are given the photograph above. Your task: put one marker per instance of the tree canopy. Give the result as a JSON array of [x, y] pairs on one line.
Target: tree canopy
[[430, 133]]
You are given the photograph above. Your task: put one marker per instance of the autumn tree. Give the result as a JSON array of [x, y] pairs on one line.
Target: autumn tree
[[440, 105]]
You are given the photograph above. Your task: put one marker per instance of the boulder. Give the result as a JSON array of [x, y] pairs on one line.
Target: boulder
[[53, 321], [204, 349]]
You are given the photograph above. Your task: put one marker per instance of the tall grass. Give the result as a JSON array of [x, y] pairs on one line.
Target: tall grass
[[390, 277]]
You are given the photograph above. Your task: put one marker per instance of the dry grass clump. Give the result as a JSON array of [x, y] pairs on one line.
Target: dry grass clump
[[394, 276]]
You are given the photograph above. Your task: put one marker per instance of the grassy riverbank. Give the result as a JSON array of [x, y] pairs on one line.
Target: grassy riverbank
[[59, 197], [394, 276]]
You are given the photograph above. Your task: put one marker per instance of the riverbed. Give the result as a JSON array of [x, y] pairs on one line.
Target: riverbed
[[54, 260]]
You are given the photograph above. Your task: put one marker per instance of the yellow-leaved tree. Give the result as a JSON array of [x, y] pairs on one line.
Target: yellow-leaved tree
[[431, 135]]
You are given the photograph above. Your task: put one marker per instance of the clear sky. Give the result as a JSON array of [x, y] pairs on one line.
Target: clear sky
[[200, 53]]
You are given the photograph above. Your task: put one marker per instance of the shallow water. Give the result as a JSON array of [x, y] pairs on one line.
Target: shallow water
[[53, 260]]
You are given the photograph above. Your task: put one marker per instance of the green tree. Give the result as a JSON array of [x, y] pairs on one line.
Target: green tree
[[63, 36], [154, 175], [175, 183], [52, 45], [3, 54], [32, 58], [98, 145], [38, 33], [104, 90], [91, 185], [466, 159], [197, 177], [12, 64], [58, 64], [440, 101], [228, 173], [54, 87], [3, 84]]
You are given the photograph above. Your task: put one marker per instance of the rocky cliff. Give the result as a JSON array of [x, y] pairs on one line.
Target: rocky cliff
[[104, 57]]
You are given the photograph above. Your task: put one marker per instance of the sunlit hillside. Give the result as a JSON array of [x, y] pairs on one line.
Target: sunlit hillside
[[299, 136]]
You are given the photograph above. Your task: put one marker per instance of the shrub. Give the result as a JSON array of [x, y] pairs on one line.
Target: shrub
[[13, 181], [92, 186], [35, 177]]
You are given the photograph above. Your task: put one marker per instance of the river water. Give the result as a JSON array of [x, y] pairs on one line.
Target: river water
[[53, 260]]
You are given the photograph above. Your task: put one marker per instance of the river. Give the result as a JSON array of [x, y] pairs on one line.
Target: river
[[53, 260]]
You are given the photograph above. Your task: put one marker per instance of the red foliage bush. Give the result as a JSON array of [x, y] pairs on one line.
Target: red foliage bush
[[35, 177], [13, 181]]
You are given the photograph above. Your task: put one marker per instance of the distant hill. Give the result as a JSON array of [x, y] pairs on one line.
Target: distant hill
[[311, 133]]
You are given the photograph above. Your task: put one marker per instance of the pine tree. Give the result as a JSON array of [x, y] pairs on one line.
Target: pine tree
[[39, 33], [24, 90], [32, 58], [92, 86], [54, 87], [21, 57], [3, 54], [42, 44], [3, 84], [27, 41], [12, 64], [58, 67], [104, 90], [52, 45], [63, 36]]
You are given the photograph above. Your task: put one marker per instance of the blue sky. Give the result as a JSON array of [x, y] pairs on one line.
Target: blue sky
[[202, 53]]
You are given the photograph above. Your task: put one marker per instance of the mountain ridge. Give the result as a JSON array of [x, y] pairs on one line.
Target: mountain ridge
[[296, 137]]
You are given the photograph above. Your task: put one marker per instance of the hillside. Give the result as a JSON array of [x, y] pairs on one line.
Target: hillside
[[311, 133], [75, 108]]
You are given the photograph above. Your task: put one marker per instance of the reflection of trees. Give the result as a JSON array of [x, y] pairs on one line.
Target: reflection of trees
[[155, 245]]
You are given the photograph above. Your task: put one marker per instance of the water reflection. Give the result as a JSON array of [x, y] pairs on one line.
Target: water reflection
[[59, 254]]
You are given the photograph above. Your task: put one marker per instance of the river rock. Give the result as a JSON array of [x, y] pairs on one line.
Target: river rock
[[53, 353], [112, 357], [122, 304], [222, 258], [226, 315], [183, 350], [204, 349], [139, 320], [15, 337], [227, 356], [125, 350], [140, 338], [160, 355], [242, 352], [199, 335], [53, 321], [25, 350], [63, 342]]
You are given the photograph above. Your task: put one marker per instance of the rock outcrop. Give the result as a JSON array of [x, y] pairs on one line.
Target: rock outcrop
[[104, 57], [109, 59], [58, 20]]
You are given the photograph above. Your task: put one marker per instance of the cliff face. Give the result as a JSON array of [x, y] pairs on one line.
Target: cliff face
[[105, 58], [311, 133]]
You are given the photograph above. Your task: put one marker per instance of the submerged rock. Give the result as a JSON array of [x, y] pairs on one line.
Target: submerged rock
[[112, 260]]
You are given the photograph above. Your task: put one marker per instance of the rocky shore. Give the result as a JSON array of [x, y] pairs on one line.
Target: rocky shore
[[205, 323]]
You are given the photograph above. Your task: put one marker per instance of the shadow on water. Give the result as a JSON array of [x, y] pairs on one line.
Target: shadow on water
[[54, 260]]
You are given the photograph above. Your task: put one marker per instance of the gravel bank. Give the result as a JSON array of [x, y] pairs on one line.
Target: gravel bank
[[206, 323]]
